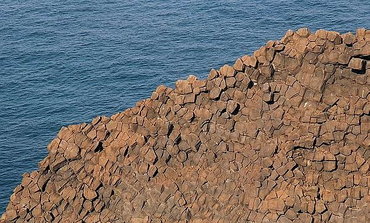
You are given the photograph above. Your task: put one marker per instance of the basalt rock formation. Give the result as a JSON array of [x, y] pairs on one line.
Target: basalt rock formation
[[280, 136]]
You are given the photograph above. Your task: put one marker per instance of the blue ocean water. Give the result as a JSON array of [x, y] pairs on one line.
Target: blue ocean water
[[65, 62]]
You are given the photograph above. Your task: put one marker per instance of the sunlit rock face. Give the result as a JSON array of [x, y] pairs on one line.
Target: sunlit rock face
[[282, 135]]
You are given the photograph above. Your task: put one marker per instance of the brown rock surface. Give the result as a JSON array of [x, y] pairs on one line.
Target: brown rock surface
[[357, 64], [280, 136]]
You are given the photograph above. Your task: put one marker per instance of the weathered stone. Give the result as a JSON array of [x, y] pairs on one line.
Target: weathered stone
[[328, 196], [239, 65], [150, 156], [230, 82], [189, 98], [152, 171], [276, 204], [183, 87], [348, 38], [330, 165], [287, 37], [89, 194], [323, 34], [250, 61], [10, 215], [215, 93], [227, 71], [344, 58], [320, 207], [267, 150], [143, 168], [357, 64], [72, 152], [303, 32], [334, 37], [267, 70], [232, 107]]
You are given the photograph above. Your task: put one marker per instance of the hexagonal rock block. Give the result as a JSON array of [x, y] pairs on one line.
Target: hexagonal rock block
[[227, 71], [150, 156], [250, 61], [232, 107], [239, 65], [183, 87], [320, 207], [268, 149], [89, 194], [276, 204], [213, 74], [357, 64], [330, 165], [72, 152], [348, 38], [303, 32], [323, 34], [215, 93]]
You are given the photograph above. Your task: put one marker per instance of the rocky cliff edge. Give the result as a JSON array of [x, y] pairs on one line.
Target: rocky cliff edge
[[282, 135]]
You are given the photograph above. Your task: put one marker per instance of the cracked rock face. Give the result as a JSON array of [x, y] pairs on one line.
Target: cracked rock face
[[283, 135]]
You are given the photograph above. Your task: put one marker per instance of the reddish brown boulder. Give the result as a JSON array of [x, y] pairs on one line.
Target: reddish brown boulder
[[357, 64], [250, 61], [227, 71], [215, 93], [89, 194], [72, 152], [303, 32]]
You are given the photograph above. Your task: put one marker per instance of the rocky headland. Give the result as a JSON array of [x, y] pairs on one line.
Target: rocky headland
[[282, 135]]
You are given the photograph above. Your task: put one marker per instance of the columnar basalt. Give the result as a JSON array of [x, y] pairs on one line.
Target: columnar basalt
[[282, 135]]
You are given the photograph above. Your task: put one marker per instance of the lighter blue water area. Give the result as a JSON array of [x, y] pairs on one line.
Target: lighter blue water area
[[65, 62]]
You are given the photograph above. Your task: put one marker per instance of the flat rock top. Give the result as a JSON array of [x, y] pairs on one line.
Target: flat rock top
[[282, 135]]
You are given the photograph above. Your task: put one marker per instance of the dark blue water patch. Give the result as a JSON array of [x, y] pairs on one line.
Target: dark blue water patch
[[65, 62]]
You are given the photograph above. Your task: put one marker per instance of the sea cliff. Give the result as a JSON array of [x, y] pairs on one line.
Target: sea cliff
[[282, 135]]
